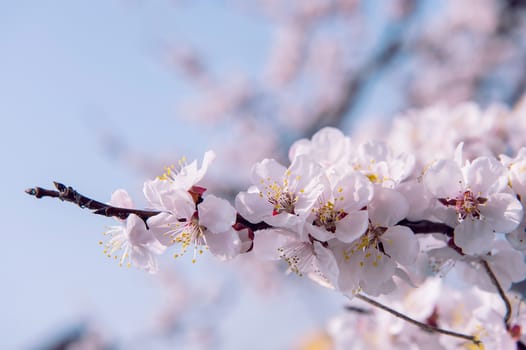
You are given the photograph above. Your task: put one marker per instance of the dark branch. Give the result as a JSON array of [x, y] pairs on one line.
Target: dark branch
[[425, 226], [419, 324], [68, 194]]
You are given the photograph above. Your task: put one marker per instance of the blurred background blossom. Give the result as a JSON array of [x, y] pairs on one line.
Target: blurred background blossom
[[102, 94]]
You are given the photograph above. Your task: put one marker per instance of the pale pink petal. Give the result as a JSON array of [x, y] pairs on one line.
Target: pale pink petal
[[356, 191], [352, 226], [503, 212], [121, 199], [298, 148], [327, 263], [517, 238], [400, 244], [320, 233], [444, 179], [191, 175], [267, 170], [137, 231], [486, 176], [474, 236], [216, 214], [267, 242], [388, 207], [378, 270], [252, 207], [160, 224], [224, 245]]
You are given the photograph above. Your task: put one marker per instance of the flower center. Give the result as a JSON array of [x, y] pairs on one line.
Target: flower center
[[187, 233], [466, 204], [280, 196], [327, 216], [299, 256], [369, 240]]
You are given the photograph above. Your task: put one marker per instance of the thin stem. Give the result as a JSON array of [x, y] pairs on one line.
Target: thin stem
[[502, 294], [419, 324]]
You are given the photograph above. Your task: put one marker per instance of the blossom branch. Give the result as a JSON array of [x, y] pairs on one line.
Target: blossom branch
[[419, 324], [68, 194], [502, 294]]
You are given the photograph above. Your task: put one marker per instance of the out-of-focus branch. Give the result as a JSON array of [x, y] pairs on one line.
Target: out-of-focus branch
[[357, 83], [502, 294], [421, 325]]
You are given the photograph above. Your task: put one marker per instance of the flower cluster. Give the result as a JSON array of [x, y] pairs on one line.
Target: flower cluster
[[470, 311], [358, 216]]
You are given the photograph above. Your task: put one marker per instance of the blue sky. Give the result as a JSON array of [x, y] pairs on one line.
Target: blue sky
[[69, 70]]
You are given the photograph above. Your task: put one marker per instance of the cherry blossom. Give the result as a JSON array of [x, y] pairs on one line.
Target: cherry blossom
[[471, 198], [135, 243], [281, 197]]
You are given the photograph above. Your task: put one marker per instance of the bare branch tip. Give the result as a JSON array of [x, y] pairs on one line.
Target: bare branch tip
[[31, 191]]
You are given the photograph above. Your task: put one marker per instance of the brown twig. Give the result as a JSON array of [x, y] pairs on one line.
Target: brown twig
[[502, 294], [419, 324], [68, 194]]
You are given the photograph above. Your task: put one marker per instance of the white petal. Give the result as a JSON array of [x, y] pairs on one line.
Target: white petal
[[444, 179], [388, 207], [378, 271], [136, 229], [486, 176], [503, 212], [320, 233], [327, 263], [298, 148], [267, 242], [120, 198], [160, 224], [216, 214], [517, 238], [356, 190], [224, 245], [400, 243], [252, 207], [517, 175], [191, 175], [352, 226], [266, 170], [304, 174], [474, 236]]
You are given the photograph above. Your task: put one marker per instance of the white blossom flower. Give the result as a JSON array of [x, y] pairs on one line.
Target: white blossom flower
[[370, 262], [175, 185], [306, 257], [517, 172], [341, 209], [208, 226], [507, 264], [377, 161], [132, 240], [471, 199], [281, 197], [329, 147]]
